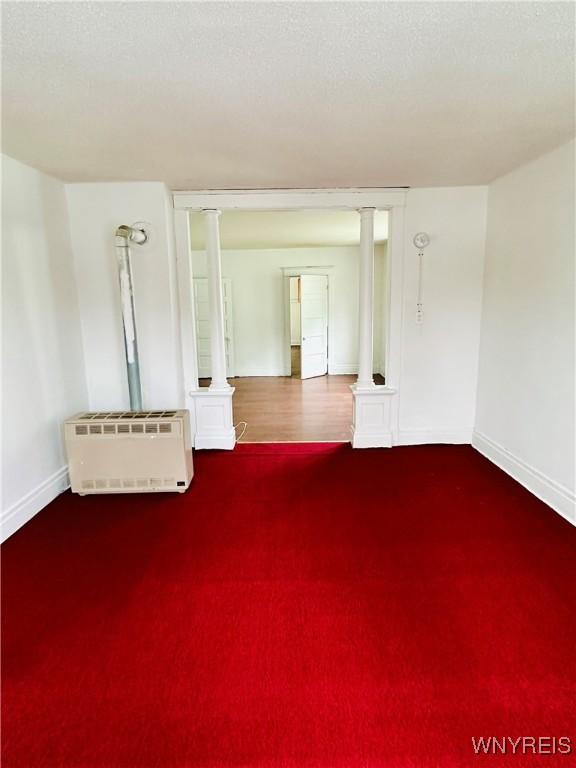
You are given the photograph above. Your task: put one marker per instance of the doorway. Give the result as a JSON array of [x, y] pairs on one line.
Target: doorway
[[265, 388], [295, 326], [308, 306], [290, 310]]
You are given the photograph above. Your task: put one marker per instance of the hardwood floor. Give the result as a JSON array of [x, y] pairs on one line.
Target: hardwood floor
[[286, 409], [295, 360]]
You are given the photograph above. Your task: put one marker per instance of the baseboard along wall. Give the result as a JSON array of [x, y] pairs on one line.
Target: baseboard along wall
[[19, 513], [556, 495]]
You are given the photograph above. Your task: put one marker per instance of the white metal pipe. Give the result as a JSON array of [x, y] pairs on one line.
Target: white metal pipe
[[124, 236]]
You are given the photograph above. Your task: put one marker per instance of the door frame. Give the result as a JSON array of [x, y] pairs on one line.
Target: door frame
[[392, 200], [287, 273]]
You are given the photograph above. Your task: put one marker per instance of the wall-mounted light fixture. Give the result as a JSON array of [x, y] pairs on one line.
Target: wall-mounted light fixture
[[421, 240]]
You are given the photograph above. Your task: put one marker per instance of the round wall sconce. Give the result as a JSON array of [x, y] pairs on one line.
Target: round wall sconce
[[421, 240]]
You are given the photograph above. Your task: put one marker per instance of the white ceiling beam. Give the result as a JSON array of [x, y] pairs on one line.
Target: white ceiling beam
[[290, 199]]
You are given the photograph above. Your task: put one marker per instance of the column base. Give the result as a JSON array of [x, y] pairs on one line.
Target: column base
[[220, 387], [213, 418], [363, 387], [372, 426]]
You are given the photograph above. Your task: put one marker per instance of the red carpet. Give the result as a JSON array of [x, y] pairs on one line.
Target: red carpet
[[300, 607]]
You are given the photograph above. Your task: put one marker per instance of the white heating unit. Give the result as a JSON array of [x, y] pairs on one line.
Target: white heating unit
[[129, 451]]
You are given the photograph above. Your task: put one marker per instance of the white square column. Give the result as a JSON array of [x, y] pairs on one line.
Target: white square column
[[214, 426], [371, 422]]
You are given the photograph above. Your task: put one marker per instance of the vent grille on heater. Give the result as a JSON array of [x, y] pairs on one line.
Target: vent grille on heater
[[127, 415], [130, 482], [149, 428]]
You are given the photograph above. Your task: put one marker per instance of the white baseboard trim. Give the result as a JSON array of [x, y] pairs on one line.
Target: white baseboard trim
[[223, 442], [341, 369], [348, 369], [556, 495], [29, 505], [257, 372], [427, 436], [371, 439]]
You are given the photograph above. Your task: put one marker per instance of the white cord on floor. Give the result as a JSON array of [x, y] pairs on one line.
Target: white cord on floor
[[244, 430]]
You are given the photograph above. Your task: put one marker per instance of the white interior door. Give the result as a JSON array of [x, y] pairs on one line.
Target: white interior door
[[203, 326], [314, 321]]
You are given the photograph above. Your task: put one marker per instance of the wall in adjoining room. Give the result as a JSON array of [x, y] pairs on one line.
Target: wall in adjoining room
[[259, 302]]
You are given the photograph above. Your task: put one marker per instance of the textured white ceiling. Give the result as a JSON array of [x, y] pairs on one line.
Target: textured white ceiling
[[255, 95], [287, 229]]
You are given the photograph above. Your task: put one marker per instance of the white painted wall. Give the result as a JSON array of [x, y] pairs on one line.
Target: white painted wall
[[260, 312], [95, 212], [43, 365], [526, 389], [440, 356]]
